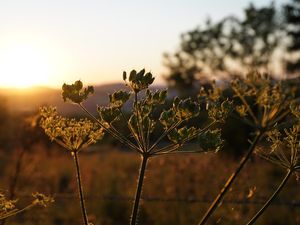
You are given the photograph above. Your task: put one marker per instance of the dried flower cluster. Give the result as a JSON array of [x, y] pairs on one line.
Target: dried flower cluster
[[258, 100], [72, 134], [8, 207], [262, 101], [143, 119]]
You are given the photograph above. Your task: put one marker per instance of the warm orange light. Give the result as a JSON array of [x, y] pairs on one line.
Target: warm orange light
[[23, 65]]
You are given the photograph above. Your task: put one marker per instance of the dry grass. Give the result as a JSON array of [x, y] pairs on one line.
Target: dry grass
[[172, 184]]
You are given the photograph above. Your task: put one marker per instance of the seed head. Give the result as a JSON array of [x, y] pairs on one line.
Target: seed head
[[139, 81], [70, 133], [75, 92]]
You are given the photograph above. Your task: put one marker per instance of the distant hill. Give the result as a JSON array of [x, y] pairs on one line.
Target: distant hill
[[29, 100]]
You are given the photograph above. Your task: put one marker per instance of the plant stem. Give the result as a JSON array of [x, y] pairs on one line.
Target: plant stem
[[16, 212], [241, 97], [14, 182], [139, 122], [274, 195], [111, 132], [138, 190], [80, 189], [230, 180]]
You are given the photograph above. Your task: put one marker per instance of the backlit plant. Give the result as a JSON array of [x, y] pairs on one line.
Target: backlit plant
[[142, 121], [285, 152], [262, 103], [8, 208], [74, 135]]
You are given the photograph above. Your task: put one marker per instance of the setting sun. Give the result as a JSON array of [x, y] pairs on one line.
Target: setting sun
[[23, 65]]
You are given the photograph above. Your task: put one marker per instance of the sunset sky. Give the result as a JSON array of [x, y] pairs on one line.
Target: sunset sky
[[51, 42]]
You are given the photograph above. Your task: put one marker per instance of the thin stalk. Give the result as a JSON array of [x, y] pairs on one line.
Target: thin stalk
[[113, 129], [17, 211], [172, 147], [165, 133], [166, 148], [14, 182], [121, 139], [241, 97], [230, 180], [265, 118], [280, 117], [136, 138], [185, 140], [12, 187], [139, 122], [134, 213], [199, 132], [176, 152], [274, 195], [148, 135], [80, 189]]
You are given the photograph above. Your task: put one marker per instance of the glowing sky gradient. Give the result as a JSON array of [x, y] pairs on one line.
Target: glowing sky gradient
[[95, 40]]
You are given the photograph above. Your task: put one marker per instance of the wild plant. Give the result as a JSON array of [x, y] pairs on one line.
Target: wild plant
[[285, 152], [15, 177], [73, 135], [262, 103], [21, 147], [8, 207], [142, 122]]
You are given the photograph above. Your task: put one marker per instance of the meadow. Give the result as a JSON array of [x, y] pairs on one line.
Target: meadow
[[177, 182], [178, 189]]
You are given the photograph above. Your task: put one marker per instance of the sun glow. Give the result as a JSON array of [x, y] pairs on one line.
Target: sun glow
[[23, 65]]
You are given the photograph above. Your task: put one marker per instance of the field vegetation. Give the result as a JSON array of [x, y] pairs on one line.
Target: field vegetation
[[224, 151]]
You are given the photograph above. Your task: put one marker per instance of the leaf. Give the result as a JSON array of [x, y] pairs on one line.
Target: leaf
[[133, 125]]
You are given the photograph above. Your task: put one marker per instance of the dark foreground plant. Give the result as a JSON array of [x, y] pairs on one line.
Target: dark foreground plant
[[8, 207], [285, 152], [262, 103], [73, 135], [142, 121]]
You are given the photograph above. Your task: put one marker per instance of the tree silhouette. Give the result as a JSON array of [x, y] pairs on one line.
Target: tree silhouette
[[255, 39], [226, 48]]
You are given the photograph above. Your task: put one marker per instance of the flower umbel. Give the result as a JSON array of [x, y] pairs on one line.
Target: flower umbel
[[270, 98], [285, 152], [144, 118], [41, 199], [75, 92], [72, 134], [138, 80], [285, 149], [8, 207]]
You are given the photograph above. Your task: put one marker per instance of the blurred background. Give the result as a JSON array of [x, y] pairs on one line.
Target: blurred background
[[185, 44]]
